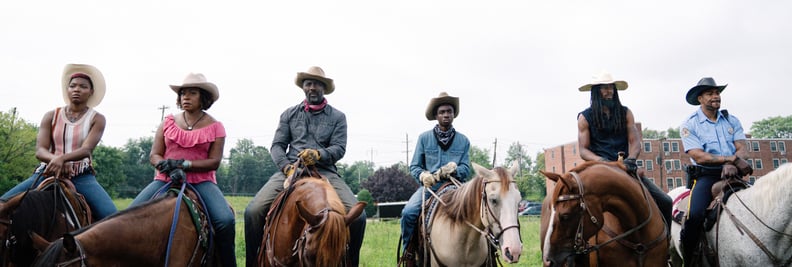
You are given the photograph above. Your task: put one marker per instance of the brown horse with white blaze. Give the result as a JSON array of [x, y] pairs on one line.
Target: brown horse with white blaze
[[598, 215]]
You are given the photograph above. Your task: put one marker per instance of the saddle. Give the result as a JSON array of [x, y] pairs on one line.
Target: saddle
[[77, 204], [721, 192]]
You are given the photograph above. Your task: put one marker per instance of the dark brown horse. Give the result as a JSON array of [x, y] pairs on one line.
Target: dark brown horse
[[140, 236], [309, 228], [52, 209], [598, 215]]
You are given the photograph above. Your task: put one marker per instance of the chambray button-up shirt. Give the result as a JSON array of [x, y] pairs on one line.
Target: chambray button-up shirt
[[430, 157], [325, 131], [716, 137]]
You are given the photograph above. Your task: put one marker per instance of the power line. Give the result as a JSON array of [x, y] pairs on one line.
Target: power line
[[163, 108]]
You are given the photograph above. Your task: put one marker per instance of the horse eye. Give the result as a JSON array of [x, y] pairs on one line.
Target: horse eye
[[563, 217], [494, 201]]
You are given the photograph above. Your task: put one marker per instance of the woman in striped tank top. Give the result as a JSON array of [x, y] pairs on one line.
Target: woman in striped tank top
[[67, 137]]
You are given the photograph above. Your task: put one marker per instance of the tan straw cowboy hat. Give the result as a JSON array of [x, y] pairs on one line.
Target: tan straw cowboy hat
[[318, 74], [604, 78], [96, 77], [703, 84], [442, 99], [198, 80]]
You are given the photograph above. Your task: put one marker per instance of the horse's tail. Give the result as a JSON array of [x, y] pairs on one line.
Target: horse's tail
[[332, 240]]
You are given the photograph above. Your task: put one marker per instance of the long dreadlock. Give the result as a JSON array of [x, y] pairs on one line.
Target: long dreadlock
[[617, 122]]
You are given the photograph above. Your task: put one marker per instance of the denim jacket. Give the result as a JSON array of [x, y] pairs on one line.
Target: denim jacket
[[430, 157]]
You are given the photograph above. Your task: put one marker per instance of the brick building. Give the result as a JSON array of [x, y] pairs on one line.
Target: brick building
[[664, 159]]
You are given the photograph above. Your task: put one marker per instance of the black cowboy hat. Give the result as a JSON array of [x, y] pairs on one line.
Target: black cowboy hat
[[703, 84]]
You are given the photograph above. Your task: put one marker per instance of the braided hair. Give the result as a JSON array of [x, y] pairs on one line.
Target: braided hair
[[617, 122]]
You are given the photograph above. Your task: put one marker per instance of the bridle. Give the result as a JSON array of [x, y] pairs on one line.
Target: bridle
[[299, 245], [80, 257], [581, 245]]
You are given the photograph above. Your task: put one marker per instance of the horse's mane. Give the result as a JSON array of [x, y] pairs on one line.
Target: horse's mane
[[772, 189], [35, 214], [458, 209], [50, 256], [332, 246]]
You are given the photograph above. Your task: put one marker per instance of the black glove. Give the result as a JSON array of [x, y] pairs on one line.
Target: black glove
[[729, 171], [167, 165], [743, 166], [177, 175], [631, 165]]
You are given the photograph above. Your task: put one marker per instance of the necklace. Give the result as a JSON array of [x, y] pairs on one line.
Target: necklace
[[190, 127], [70, 114]]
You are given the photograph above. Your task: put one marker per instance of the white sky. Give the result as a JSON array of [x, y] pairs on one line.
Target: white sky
[[516, 65]]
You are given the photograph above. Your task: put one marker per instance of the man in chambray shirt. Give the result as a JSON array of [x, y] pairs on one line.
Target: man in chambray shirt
[[441, 153]]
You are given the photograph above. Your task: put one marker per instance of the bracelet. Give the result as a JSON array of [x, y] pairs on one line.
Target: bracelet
[[186, 164]]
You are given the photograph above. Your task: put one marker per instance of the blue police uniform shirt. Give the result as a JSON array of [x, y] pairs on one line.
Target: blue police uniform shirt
[[714, 137]]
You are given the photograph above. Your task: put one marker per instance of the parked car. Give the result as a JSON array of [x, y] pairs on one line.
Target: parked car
[[532, 210]]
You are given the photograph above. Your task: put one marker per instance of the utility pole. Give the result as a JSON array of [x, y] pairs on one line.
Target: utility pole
[[495, 152], [407, 151], [163, 108]]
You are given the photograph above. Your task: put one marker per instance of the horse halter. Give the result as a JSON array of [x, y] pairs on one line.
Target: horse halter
[[81, 257], [487, 213], [299, 245]]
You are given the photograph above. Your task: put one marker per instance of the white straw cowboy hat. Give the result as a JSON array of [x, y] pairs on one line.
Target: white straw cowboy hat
[[442, 99], [97, 82], [318, 74], [703, 84], [604, 78], [198, 80]]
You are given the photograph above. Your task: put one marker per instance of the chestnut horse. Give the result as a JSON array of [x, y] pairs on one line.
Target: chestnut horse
[[598, 215], [145, 235], [755, 226], [309, 228], [475, 220], [52, 209]]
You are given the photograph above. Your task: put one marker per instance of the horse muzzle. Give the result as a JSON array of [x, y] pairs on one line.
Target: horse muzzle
[[511, 254]]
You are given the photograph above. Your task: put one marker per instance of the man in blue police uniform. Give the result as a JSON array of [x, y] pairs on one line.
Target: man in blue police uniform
[[440, 153], [607, 128], [714, 140]]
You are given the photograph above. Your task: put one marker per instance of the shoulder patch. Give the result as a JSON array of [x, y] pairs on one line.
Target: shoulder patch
[[684, 132]]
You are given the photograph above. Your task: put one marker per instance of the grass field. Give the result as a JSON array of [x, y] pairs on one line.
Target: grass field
[[382, 237]]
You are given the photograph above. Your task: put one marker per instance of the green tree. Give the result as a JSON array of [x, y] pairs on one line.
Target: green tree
[[249, 168], [480, 156], [356, 173], [773, 127], [652, 134], [516, 153], [365, 196], [673, 132], [136, 166], [109, 166], [17, 150]]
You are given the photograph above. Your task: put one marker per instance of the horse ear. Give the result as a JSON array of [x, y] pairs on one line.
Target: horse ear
[[515, 167], [68, 243], [354, 212], [480, 170], [311, 219], [551, 175], [39, 242]]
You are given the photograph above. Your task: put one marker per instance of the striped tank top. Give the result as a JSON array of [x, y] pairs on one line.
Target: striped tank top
[[68, 136]]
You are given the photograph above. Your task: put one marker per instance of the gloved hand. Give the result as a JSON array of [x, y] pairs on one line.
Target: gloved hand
[[428, 179], [631, 165], [167, 165], [309, 156], [445, 171], [288, 170], [177, 175], [729, 171], [743, 166]]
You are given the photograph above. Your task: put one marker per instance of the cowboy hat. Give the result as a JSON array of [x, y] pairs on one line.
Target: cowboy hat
[[604, 78], [703, 84], [318, 74], [442, 99], [198, 80], [97, 81]]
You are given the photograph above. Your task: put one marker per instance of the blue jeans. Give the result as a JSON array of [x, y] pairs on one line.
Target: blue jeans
[[98, 200], [409, 215], [221, 214], [700, 198]]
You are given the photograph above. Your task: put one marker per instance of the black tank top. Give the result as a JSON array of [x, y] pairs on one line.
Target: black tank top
[[606, 142]]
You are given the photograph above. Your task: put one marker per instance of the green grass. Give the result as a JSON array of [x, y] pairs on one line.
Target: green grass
[[382, 237]]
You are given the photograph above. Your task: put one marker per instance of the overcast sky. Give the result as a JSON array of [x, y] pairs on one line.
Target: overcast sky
[[515, 65]]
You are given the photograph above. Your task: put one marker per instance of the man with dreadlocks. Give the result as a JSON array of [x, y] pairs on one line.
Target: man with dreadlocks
[[607, 128]]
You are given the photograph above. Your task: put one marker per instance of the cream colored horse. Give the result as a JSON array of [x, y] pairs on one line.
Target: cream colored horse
[[481, 212]]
